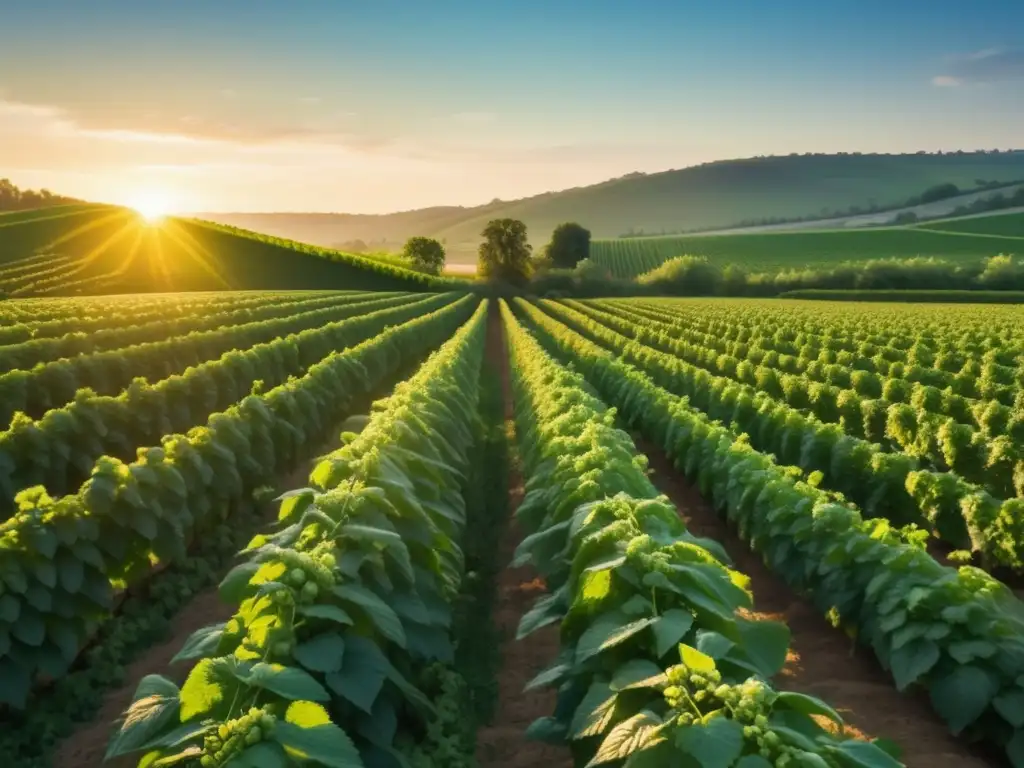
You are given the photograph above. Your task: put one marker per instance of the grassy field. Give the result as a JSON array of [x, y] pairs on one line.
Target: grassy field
[[100, 249], [710, 196], [967, 240], [1010, 225]]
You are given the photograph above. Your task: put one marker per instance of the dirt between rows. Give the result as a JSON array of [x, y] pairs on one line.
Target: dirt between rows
[[503, 743], [822, 661]]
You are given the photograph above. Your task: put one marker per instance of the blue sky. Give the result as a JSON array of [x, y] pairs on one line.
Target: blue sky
[[372, 107]]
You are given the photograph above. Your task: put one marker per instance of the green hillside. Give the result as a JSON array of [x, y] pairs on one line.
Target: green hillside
[[709, 196], [104, 249], [957, 240], [1009, 225]]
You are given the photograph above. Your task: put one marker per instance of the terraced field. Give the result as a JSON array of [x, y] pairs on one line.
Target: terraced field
[[271, 529]]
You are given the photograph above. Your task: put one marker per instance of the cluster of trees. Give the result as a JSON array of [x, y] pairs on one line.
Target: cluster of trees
[[14, 199]]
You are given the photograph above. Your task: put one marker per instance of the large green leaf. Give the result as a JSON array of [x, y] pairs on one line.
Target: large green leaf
[[153, 710], [322, 653], [324, 744], [912, 660], [545, 611], [637, 673], [287, 682], [265, 754], [328, 612], [201, 643], [594, 714], [765, 644], [861, 754], [606, 632], [363, 672], [633, 735], [807, 705], [233, 587], [1011, 706], [547, 730], [962, 696], [716, 744], [208, 687], [696, 661], [670, 628], [381, 614], [14, 683]]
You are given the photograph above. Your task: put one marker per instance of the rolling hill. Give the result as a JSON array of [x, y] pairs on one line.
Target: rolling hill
[[709, 196], [964, 239], [104, 249]]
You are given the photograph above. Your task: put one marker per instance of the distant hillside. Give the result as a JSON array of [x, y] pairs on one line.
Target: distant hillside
[[105, 249], [714, 195], [967, 239]]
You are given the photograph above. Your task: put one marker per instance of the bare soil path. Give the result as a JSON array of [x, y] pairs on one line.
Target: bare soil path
[[822, 660], [503, 743]]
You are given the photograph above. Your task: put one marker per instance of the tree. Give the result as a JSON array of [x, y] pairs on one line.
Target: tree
[[504, 254], [570, 244], [425, 254]]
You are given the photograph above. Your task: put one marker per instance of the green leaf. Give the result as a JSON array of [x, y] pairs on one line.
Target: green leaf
[[264, 754], [765, 644], [322, 653], [912, 660], [607, 632], [716, 744], [807, 705], [29, 628], [188, 755], [1010, 706], [1015, 749], [862, 753], [363, 672], [207, 687], [328, 612], [547, 730], [756, 761], [962, 696], [548, 676], [628, 737], [382, 614], [545, 611], [594, 713], [969, 650], [154, 708], [670, 628], [201, 643], [287, 682], [637, 673], [233, 588], [324, 744], [695, 660]]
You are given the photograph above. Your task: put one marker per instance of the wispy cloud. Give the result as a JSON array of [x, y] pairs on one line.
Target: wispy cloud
[[984, 67]]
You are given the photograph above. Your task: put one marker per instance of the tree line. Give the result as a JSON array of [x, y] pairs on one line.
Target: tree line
[[14, 199]]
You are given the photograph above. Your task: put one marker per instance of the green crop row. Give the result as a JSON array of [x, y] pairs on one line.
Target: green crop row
[[656, 666], [340, 609], [958, 634], [64, 558]]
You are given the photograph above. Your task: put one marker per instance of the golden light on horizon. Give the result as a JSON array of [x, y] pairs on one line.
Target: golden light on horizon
[[152, 205]]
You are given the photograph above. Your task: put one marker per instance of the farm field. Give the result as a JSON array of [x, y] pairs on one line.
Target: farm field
[[967, 240], [91, 249], [347, 528]]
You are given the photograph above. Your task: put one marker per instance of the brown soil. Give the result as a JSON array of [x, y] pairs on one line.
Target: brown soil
[[503, 743], [85, 747], [823, 661]]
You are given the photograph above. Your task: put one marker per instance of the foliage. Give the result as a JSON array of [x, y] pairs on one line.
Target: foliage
[[14, 199], [955, 633], [910, 297], [504, 255], [425, 254], [634, 594], [570, 244], [684, 275], [64, 558], [344, 605]]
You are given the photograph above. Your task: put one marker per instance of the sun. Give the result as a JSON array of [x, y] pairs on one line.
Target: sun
[[152, 206]]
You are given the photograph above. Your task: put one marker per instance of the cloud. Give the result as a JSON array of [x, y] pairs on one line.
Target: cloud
[[984, 67]]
